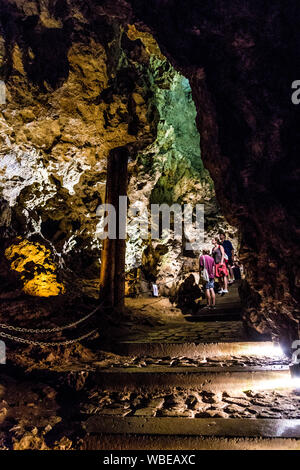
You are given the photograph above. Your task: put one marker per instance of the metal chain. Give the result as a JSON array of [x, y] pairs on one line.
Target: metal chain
[[3, 326], [48, 330], [41, 343]]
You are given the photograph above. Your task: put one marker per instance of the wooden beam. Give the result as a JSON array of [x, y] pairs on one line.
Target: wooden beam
[[112, 273]]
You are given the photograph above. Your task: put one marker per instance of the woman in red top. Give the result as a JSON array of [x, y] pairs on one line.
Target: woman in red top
[[218, 254]]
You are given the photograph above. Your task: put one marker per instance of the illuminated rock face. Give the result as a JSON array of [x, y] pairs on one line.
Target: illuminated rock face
[[38, 272], [71, 99], [103, 87], [168, 171], [240, 58]]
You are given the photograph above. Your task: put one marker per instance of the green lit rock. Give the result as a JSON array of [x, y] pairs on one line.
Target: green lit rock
[[169, 171]]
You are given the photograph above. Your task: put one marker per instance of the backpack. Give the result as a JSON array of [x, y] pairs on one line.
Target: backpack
[[204, 273]]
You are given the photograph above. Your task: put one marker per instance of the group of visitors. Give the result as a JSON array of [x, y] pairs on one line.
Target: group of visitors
[[217, 265]]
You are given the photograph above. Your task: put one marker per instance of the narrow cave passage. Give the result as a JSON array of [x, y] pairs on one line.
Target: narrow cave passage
[[168, 174], [112, 344]]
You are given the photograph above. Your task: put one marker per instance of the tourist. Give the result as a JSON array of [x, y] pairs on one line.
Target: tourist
[[208, 263], [221, 272], [229, 251], [236, 269]]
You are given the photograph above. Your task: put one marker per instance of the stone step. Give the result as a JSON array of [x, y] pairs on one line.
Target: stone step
[[153, 442], [214, 315], [182, 433], [217, 427], [191, 350], [184, 331], [207, 378]]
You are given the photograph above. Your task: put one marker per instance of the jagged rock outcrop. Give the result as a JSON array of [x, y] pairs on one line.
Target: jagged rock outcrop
[[71, 98], [240, 58], [80, 84]]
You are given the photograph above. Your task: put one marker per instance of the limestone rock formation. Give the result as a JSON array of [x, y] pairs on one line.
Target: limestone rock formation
[[38, 271], [107, 86], [72, 93], [240, 59]]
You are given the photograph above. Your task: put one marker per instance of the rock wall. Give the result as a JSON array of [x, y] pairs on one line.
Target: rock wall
[[80, 83], [74, 92], [241, 58]]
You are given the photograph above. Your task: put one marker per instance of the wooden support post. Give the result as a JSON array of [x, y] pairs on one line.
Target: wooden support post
[[112, 274]]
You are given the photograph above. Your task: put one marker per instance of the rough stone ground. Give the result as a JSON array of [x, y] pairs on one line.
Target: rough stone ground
[[195, 404], [225, 361], [46, 407], [157, 320], [31, 417]]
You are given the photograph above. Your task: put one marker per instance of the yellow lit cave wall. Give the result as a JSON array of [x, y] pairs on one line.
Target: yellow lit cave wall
[[37, 269]]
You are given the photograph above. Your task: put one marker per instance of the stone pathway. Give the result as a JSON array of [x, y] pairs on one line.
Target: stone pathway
[[195, 404], [201, 326], [196, 370], [188, 383]]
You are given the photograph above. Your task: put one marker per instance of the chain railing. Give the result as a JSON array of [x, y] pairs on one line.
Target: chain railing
[[43, 343], [48, 330], [20, 329]]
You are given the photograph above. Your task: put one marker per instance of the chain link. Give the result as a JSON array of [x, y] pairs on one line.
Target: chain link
[[52, 330], [20, 329], [48, 330], [42, 343]]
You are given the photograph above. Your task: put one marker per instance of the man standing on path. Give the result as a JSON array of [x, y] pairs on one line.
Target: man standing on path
[[228, 248], [208, 263]]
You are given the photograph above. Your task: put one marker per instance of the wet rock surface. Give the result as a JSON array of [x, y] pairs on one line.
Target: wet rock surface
[[226, 361], [241, 63], [195, 404], [46, 409]]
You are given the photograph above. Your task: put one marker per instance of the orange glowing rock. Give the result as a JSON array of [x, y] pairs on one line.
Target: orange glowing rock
[[38, 271]]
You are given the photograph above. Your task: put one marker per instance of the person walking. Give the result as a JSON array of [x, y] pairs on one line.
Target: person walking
[[229, 251], [207, 263], [218, 253]]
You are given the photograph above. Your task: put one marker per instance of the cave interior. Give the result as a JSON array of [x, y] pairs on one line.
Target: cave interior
[[162, 104]]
